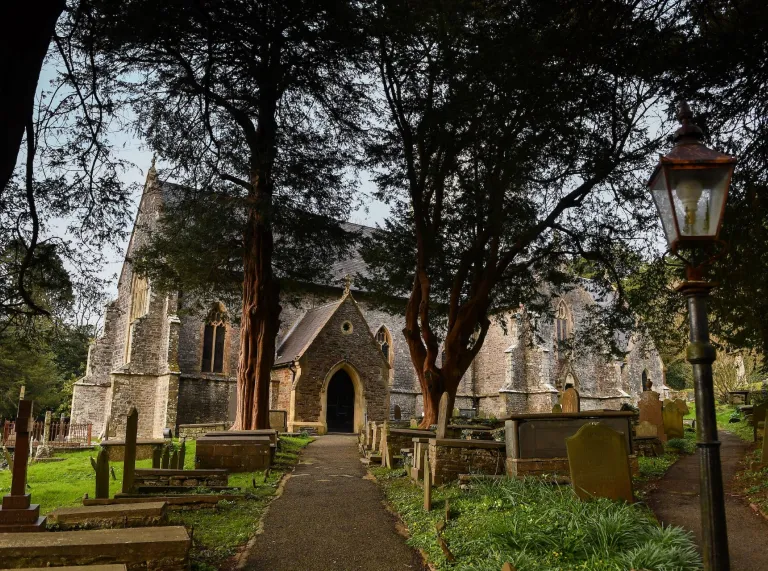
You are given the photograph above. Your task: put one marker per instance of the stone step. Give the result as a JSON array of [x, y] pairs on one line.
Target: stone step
[[108, 516], [75, 568], [164, 548]]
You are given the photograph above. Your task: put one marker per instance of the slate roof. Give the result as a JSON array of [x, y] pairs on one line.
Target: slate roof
[[354, 264], [304, 331]]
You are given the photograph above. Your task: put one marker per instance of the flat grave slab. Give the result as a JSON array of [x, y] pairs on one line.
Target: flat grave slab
[[144, 447], [109, 516], [165, 548], [173, 502], [75, 568], [165, 477]]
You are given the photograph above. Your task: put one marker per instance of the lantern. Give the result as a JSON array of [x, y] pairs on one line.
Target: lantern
[[689, 186]]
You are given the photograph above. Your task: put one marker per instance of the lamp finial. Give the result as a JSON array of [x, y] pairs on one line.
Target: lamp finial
[[688, 132]]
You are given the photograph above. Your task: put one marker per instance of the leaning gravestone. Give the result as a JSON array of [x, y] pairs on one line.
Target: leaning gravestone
[[570, 401], [759, 415], [182, 453], [175, 460], [166, 461], [442, 416], [650, 411], [129, 459], [673, 420], [599, 464], [157, 456], [427, 483]]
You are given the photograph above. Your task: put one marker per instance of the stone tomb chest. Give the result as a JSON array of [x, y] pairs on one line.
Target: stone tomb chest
[[235, 453], [536, 442]]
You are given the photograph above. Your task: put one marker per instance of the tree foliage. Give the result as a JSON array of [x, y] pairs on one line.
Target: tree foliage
[[255, 105], [511, 142]]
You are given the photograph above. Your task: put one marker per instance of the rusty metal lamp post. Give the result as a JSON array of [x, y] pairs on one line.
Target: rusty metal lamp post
[[690, 186]]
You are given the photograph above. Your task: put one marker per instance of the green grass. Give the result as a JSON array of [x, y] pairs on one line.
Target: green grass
[[536, 526], [723, 413], [217, 533], [654, 468]]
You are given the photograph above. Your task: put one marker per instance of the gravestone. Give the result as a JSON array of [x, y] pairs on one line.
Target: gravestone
[[17, 513], [682, 406], [442, 416], [673, 420], [758, 416], [129, 460], [182, 454], [570, 401], [166, 461], [427, 483], [157, 457], [650, 411], [174, 460], [646, 430], [764, 458], [102, 474], [414, 423], [557, 409], [599, 464]]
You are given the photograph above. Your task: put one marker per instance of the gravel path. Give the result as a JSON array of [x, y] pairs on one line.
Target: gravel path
[[676, 501], [330, 517]]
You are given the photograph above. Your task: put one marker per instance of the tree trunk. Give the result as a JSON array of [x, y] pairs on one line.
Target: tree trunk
[[261, 315], [24, 39]]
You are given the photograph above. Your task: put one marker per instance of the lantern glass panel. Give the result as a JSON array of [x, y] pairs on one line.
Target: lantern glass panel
[[661, 198], [698, 196]]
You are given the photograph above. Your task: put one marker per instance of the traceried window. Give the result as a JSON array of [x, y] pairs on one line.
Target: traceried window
[[214, 337], [562, 332], [384, 339]]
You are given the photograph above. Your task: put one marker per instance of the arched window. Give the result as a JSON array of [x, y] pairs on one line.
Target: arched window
[[139, 308], [384, 339], [645, 385], [214, 336], [562, 330]]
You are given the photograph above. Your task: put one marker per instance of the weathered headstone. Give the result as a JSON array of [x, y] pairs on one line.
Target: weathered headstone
[[157, 457], [646, 430], [43, 449], [599, 464], [443, 415], [557, 409], [182, 454], [414, 423], [166, 461], [570, 401], [682, 406], [129, 458], [174, 465], [17, 513], [102, 474], [764, 458], [673, 420], [427, 483], [650, 411], [758, 416]]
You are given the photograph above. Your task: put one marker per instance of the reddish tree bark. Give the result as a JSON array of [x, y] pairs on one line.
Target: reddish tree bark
[[28, 28]]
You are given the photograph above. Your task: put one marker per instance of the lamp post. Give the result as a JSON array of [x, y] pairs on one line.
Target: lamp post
[[690, 186]]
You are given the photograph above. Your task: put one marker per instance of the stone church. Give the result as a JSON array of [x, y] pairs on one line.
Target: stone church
[[339, 360]]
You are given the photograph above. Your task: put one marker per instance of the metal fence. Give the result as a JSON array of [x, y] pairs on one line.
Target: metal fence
[[60, 434]]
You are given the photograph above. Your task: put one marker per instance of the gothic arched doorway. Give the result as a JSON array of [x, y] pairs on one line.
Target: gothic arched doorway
[[340, 406]]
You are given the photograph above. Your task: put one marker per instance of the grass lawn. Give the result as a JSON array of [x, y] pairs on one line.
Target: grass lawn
[[723, 413], [536, 526], [654, 468], [217, 533]]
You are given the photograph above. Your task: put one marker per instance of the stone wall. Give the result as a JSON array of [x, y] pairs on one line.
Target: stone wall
[[185, 478], [448, 458], [193, 431], [205, 399], [88, 405]]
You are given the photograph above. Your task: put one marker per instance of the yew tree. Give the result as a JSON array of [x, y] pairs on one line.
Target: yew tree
[[514, 140], [254, 105]]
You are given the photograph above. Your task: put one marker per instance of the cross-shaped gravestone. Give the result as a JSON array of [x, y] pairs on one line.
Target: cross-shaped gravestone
[[17, 513], [442, 415]]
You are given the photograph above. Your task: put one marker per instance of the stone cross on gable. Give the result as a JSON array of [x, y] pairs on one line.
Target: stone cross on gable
[[347, 284]]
